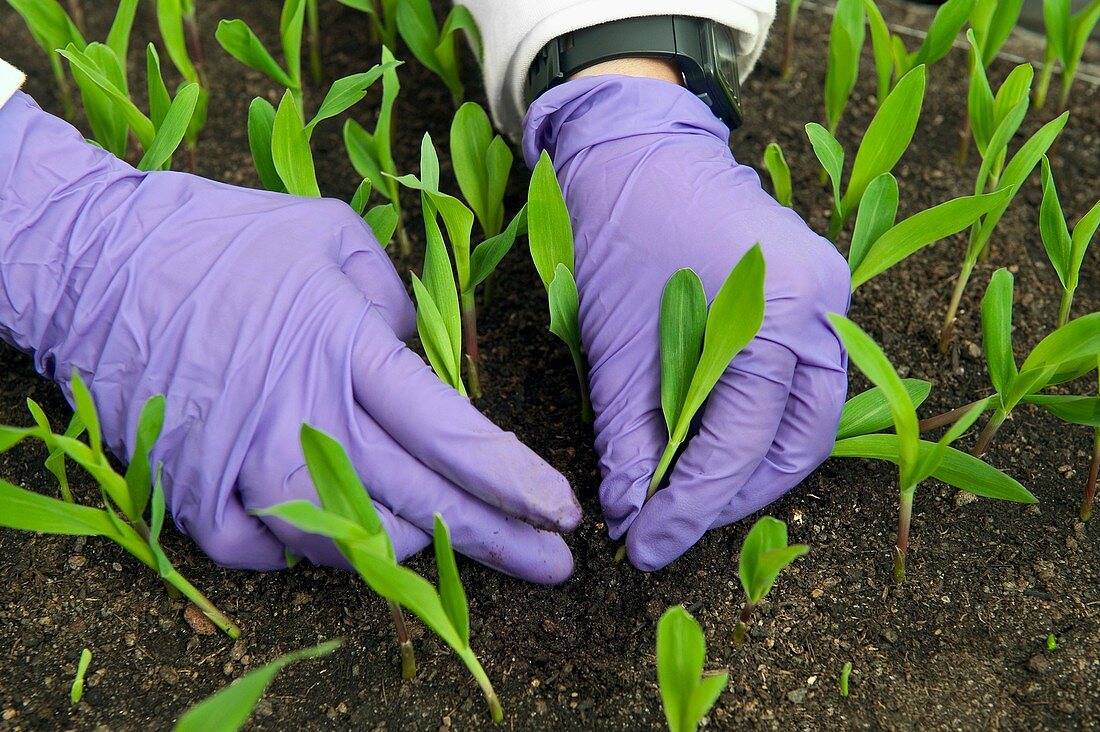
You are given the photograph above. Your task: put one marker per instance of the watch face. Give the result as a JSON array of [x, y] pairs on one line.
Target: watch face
[[726, 52]]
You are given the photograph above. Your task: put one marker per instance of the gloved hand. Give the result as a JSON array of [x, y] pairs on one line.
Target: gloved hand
[[252, 313], [652, 187]]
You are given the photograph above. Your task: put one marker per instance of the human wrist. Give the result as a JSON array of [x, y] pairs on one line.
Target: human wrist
[[650, 68]]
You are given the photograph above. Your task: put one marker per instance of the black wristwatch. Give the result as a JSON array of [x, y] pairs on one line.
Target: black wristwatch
[[705, 51]]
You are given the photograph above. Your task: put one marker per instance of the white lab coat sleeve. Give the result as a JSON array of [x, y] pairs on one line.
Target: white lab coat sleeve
[[11, 80], [514, 31]]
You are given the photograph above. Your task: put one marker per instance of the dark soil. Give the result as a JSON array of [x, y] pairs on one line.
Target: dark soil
[[960, 646]]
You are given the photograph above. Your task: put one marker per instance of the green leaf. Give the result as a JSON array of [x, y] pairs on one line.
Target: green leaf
[[102, 68], [870, 359], [683, 321], [338, 484], [440, 283], [880, 44], [845, 42], [1053, 228], [1083, 410], [1016, 172], [764, 554], [548, 227], [118, 38], [979, 99], [780, 173], [77, 690], [160, 101], [382, 220], [227, 710], [139, 474], [346, 93], [944, 29], [172, 129], [434, 336], [681, 652], [1015, 89], [345, 532], [706, 694], [261, 124], [931, 459], [924, 228], [485, 258], [360, 197], [957, 468], [734, 319], [242, 44], [994, 21], [876, 216], [1083, 233], [291, 22], [157, 512], [170, 22], [86, 411], [564, 306], [49, 24], [997, 331], [290, 151], [28, 511], [1080, 30], [831, 156], [55, 463], [887, 137], [1074, 340], [471, 135], [870, 411], [451, 593]]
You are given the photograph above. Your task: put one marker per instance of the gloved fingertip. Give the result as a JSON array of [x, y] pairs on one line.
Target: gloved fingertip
[[621, 496], [552, 566], [644, 554]]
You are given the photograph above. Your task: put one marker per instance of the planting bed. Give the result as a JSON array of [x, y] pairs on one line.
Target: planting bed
[[962, 644]]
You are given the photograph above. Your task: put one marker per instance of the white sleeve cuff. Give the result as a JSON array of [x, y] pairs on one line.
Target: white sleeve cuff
[[514, 33], [11, 79]]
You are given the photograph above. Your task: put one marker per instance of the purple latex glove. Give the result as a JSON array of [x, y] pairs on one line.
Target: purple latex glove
[[652, 187], [253, 312]]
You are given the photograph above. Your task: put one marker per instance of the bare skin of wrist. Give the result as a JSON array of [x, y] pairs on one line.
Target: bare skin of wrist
[[651, 68]]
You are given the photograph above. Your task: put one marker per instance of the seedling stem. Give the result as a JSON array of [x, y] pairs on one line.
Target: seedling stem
[[905, 516], [470, 659], [947, 332], [408, 654], [740, 631], [947, 418], [469, 337], [990, 431], [1090, 487]]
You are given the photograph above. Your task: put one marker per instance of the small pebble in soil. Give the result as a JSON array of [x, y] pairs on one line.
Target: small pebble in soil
[[1037, 664], [198, 621], [963, 498], [797, 696]]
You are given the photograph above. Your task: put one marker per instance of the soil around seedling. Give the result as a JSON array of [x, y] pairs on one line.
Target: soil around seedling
[[961, 645]]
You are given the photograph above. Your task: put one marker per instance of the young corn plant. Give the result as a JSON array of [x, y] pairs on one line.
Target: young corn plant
[[352, 522], [993, 120], [100, 72], [550, 234], [779, 172], [1067, 253], [473, 265], [52, 29], [228, 710], [788, 48], [893, 60], [992, 22], [240, 42], [916, 460], [879, 243], [764, 554], [126, 498], [845, 43], [1011, 177], [845, 674], [76, 691], [687, 693], [371, 153], [482, 163], [434, 47], [1065, 250], [886, 139], [1068, 352], [1067, 33], [383, 15], [280, 140], [698, 345], [179, 30]]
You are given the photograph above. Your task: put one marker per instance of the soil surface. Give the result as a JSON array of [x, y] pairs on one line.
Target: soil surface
[[961, 645]]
